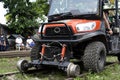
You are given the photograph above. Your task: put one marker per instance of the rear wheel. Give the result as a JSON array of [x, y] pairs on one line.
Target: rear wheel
[[94, 56]]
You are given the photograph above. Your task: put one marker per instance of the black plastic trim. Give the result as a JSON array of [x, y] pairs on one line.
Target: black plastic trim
[[75, 38], [70, 32]]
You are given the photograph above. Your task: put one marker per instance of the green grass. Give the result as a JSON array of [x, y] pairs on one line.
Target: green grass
[[9, 65], [111, 73]]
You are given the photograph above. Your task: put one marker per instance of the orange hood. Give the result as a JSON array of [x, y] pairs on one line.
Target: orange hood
[[73, 22]]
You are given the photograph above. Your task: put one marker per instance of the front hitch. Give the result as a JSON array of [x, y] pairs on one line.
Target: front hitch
[[54, 54]]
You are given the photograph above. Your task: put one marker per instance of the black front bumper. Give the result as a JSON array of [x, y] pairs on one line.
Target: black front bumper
[[74, 39], [50, 63]]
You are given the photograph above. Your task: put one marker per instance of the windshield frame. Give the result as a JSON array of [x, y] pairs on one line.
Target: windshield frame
[[96, 12]]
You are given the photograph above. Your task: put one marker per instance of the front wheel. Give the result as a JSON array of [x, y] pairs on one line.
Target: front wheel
[[35, 52], [94, 56]]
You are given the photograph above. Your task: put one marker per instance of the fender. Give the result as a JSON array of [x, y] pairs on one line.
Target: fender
[[90, 35]]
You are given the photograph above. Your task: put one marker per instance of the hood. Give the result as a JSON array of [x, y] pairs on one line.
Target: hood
[[73, 22]]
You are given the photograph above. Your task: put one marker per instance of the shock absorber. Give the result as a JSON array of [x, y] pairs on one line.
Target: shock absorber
[[63, 51], [42, 51]]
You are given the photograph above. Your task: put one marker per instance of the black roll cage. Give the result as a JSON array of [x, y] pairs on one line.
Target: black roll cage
[[116, 17], [98, 14]]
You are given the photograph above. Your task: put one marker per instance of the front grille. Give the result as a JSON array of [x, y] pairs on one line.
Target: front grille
[[57, 31]]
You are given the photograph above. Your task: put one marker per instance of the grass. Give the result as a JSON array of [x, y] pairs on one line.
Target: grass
[[111, 73], [9, 65]]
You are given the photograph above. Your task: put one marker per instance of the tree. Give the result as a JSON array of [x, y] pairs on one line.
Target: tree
[[22, 15], [41, 7]]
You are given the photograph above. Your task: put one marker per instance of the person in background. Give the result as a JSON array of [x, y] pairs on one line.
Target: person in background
[[19, 43], [29, 43], [2, 43]]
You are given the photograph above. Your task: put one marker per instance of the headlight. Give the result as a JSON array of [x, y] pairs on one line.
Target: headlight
[[85, 26]]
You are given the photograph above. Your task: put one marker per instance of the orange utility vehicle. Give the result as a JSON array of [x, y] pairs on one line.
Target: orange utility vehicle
[[75, 30]]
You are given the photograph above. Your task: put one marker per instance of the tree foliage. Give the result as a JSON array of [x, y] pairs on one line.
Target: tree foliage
[[41, 8], [22, 15]]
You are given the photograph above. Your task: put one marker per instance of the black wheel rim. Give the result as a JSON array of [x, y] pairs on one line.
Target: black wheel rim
[[101, 60]]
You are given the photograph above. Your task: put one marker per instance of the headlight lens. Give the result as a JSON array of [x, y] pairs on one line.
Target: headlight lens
[[85, 26]]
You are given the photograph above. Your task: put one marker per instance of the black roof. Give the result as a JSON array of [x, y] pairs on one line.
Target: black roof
[[3, 25], [14, 36]]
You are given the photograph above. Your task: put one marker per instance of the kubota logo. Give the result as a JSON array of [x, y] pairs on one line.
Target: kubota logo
[[57, 30]]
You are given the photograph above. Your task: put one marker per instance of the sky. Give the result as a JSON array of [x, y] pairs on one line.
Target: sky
[[32, 0], [2, 13]]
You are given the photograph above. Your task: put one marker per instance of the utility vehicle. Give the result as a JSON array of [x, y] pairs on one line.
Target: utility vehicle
[[75, 30]]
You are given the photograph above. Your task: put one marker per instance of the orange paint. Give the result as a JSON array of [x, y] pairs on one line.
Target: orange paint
[[73, 22], [43, 49], [63, 51]]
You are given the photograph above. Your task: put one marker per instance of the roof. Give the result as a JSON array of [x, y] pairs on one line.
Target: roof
[[14, 36], [3, 25]]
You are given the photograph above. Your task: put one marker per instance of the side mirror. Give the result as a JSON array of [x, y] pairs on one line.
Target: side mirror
[[116, 30]]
